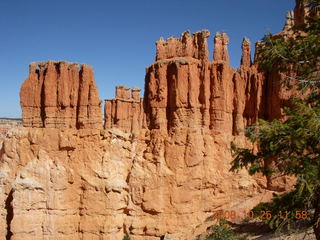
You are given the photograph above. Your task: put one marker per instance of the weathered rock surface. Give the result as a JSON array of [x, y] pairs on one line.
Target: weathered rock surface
[[221, 41], [60, 95], [188, 45], [125, 111], [100, 184]]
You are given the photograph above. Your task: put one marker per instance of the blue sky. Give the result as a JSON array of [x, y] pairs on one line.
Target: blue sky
[[118, 37]]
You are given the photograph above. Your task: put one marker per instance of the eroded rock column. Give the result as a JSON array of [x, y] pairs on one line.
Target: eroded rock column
[[125, 112], [60, 95]]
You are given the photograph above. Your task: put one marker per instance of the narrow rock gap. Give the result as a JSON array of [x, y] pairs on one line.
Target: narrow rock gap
[[89, 101], [42, 99], [78, 124], [116, 114], [189, 88], [113, 112], [172, 78], [81, 210], [9, 217], [1, 149], [168, 99], [211, 98], [235, 107], [265, 96], [57, 67], [202, 93]]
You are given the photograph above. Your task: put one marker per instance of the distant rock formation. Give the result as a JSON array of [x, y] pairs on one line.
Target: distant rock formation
[[7, 123], [125, 111], [60, 95]]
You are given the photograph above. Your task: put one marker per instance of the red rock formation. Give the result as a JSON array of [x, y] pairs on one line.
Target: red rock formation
[[60, 95], [248, 86], [166, 182], [108, 183], [190, 101], [135, 92], [181, 90], [246, 53], [221, 41], [297, 16], [194, 46], [125, 112]]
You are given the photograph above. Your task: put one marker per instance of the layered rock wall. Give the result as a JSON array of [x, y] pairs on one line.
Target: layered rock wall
[[60, 95]]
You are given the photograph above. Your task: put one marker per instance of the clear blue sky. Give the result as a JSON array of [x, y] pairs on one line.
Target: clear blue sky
[[117, 37]]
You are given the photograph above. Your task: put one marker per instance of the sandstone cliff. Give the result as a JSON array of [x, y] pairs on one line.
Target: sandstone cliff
[[161, 165], [101, 184], [60, 95]]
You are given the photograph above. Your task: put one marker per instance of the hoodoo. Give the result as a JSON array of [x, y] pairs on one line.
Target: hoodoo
[[60, 95]]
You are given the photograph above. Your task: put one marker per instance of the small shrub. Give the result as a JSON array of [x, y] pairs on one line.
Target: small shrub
[[221, 232], [126, 237], [284, 209]]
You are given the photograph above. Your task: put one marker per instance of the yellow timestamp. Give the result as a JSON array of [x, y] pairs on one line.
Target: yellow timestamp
[[263, 214]]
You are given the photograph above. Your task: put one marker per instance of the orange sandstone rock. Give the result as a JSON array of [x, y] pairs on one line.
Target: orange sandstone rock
[[246, 53], [60, 95], [126, 111], [165, 182], [188, 45], [183, 91], [221, 41]]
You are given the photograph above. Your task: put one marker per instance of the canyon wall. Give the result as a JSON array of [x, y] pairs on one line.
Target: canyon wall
[[160, 166], [60, 95]]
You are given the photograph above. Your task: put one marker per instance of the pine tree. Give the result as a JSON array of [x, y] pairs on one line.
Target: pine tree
[[294, 144]]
